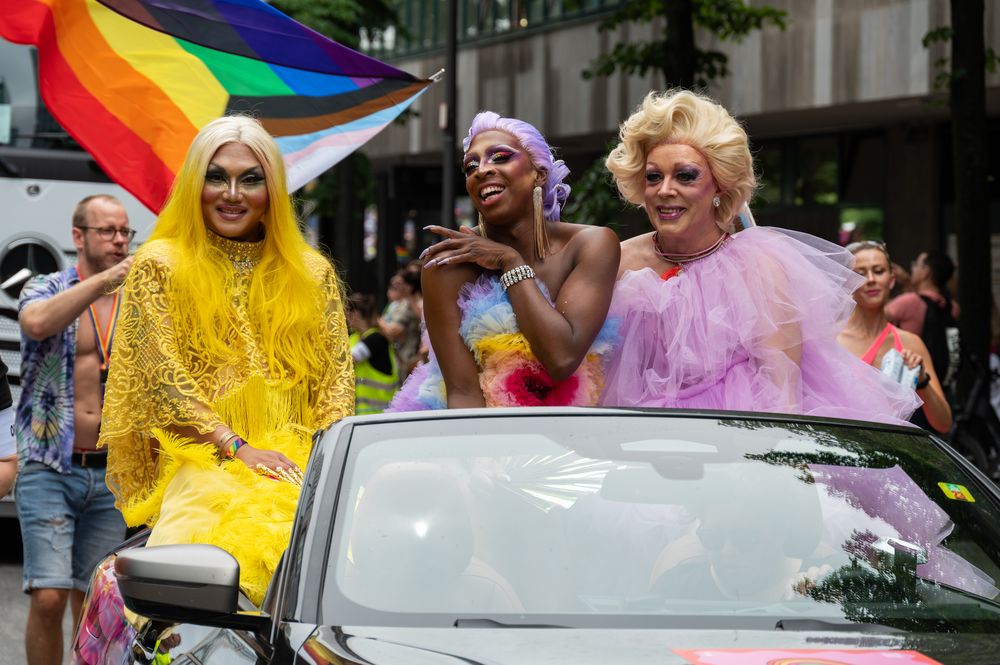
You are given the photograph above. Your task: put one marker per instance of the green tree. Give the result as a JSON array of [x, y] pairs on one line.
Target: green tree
[[676, 55], [675, 52], [963, 74], [342, 20]]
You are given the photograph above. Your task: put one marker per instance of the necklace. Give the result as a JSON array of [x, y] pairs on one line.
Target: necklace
[[681, 259], [244, 256]]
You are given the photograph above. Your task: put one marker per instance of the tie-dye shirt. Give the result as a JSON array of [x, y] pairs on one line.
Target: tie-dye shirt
[[43, 424]]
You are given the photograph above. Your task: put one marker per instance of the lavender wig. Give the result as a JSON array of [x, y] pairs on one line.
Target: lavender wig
[[554, 190]]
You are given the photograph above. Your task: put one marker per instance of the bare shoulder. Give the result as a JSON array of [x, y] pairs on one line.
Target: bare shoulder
[[912, 342], [588, 233], [636, 253], [587, 242]]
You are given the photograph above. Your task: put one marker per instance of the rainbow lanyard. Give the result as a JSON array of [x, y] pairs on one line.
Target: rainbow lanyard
[[104, 338]]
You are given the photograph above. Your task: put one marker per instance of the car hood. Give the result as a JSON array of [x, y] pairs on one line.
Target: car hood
[[531, 646]]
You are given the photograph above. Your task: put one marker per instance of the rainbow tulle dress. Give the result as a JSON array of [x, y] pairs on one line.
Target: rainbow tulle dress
[[510, 374], [751, 327]]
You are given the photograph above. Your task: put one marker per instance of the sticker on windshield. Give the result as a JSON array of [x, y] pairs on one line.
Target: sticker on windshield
[[803, 657], [956, 492]]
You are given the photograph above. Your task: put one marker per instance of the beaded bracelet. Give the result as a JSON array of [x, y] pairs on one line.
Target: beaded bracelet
[[515, 275]]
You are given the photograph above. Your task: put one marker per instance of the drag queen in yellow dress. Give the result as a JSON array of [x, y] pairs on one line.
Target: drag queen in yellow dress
[[231, 350]]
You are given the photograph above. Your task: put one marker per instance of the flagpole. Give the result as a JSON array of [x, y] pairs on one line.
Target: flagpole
[[448, 117]]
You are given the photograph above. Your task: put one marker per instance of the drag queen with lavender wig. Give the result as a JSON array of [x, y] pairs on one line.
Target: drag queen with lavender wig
[[715, 312], [516, 307]]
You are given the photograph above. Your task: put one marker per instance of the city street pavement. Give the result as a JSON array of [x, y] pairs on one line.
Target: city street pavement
[[14, 603]]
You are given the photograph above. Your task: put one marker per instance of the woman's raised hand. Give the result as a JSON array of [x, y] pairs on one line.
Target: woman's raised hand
[[467, 246]]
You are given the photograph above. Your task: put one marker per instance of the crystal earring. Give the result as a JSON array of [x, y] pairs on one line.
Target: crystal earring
[[716, 201]]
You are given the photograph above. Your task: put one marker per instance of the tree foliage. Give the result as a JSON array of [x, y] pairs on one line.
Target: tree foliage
[[342, 20], [942, 79], [729, 20], [595, 199]]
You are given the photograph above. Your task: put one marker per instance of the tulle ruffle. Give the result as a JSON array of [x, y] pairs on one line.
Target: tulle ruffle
[[199, 499], [510, 375], [751, 327]]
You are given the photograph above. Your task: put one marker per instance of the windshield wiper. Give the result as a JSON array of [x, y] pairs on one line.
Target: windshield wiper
[[493, 623], [833, 626]]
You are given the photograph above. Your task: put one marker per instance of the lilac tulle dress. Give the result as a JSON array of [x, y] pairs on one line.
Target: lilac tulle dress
[[509, 373], [722, 334]]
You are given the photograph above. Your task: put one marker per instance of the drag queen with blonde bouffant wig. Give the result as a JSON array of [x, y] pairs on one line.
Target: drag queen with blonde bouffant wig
[[231, 351], [717, 313]]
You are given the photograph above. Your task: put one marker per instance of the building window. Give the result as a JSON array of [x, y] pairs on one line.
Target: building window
[[477, 19]]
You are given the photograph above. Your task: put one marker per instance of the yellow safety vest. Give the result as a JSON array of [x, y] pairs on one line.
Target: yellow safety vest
[[373, 389]]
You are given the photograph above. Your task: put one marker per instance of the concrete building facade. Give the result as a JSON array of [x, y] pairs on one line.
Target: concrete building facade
[[847, 127]]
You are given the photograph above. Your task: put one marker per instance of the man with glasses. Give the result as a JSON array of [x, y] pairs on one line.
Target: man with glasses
[[67, 514]]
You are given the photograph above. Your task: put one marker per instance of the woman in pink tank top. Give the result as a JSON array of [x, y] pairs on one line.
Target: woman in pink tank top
[[870, 336]]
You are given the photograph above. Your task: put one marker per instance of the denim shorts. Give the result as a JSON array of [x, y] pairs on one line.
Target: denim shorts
[[68, 524]]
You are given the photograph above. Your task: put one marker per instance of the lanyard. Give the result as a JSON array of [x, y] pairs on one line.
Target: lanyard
[[105, 337]]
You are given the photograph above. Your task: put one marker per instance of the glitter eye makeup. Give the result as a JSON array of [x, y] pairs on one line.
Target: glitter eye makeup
[[218, 178], [501, 154], [495, 155], [688, 174]]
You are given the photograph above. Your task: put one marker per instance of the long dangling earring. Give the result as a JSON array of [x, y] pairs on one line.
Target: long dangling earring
[[541, 233], [482, 226]]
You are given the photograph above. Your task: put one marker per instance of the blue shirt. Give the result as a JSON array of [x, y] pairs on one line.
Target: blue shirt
[[43, 424]]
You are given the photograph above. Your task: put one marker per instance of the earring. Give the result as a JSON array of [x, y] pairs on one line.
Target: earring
[[482, 226], [716, 201], [541, 233]]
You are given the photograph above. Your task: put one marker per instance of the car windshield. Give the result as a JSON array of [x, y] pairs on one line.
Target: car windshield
[[648, 520]]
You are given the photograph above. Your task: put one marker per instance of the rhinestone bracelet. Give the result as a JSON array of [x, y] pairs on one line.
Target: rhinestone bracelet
[[515, 275]]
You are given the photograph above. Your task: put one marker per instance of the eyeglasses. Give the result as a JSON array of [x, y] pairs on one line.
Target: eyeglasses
[[109, 232]]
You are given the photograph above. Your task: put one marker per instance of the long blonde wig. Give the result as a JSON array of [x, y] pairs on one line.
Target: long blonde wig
[[285, 295], [683, 117]]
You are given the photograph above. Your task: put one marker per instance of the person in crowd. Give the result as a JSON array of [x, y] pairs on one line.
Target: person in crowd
[[929, 312], [376, 374], [401, 320], [8, 445], [929, 276], [68, 324], [902, 277], [515, 308], [870, 336], [715, 318], [232, 351]]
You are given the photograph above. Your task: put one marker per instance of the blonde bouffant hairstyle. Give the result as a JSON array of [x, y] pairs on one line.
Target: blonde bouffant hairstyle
[[284, 292], [683, 117]]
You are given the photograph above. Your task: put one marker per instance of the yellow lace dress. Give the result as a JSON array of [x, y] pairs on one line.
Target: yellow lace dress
[[159, 388]]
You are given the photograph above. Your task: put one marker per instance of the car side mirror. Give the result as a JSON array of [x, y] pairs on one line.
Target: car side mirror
[[197, 584]]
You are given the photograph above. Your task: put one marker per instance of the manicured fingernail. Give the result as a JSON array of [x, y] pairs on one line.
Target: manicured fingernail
[[431, 263], [424, 253], [443, 261], [429, 227]]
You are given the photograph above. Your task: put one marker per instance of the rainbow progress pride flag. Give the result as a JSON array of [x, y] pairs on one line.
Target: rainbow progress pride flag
[[134, 80]]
